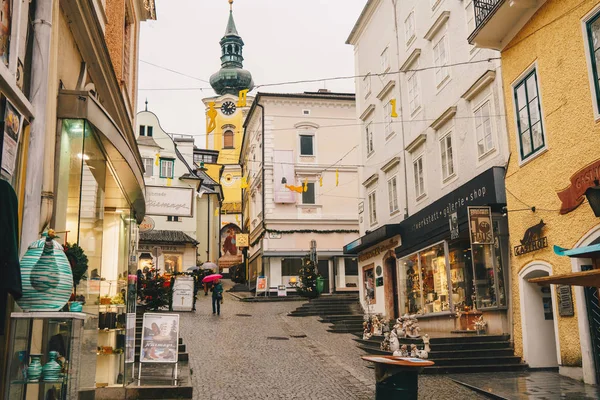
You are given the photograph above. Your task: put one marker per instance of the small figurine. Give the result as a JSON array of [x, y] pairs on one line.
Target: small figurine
[[426, 343], [394, 342], [367, 331], [385, 345], [402, 352], [413, 350]]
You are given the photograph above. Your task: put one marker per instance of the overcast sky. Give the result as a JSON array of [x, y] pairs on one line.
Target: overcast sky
[[284, 40]]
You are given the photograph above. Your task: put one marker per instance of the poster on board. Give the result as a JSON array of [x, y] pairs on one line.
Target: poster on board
[[183, 293], [160, 338], [130, 339], [10, 145], [480, 225], [261, 284]]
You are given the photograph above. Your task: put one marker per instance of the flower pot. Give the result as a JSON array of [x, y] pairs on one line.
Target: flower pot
[[34, 371], [46, 277], [51, 370]]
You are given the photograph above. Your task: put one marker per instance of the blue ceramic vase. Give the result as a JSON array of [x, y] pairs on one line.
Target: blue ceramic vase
[[76, 306], [34, 371], [51, 370], [46, 277]]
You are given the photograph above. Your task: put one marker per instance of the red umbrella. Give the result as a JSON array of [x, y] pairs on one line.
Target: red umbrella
[[210, 278]]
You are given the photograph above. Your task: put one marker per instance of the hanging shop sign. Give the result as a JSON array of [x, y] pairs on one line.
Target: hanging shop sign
[[10, 144], [147, 224], [378, 250], [242, 240], [574, 194], [183, 293], [565, 301], [480, 225], [130, 339], [453, 222], [160, 338], [169, 201], [532, 240]]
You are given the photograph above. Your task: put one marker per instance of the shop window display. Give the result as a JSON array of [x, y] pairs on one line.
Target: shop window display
[[499, 242], [369, 283], [172, 263], [435, 279], [484, 276], [411, 298], [461, 275]]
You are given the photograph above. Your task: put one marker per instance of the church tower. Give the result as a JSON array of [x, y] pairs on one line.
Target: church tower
[[225, 115]]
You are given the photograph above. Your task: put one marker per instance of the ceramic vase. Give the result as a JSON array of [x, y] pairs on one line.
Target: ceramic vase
[[51, 370], [75, 306], [34, 371], [46, 277]]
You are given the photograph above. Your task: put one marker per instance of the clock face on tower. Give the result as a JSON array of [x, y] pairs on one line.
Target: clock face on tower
[[228, 108]]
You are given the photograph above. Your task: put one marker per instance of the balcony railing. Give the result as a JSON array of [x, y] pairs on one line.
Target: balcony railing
[[483, 8]]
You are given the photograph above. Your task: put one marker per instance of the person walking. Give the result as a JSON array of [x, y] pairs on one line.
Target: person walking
[[217, 297]]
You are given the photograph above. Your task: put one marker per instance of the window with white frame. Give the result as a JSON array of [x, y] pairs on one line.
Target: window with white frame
[[414, 93], [393, 194], [483, 129], [409, 27], [369, 138], [387, 119], [307, 145], [372, 208], [529, 115], [166, 167], [419, 177], [148, 167], [308, 196], [440, 56], [385, 61], [367, 84], [447, 156]]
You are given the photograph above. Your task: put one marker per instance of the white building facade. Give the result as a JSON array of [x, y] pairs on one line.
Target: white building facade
[[442, 153], [304, 190]]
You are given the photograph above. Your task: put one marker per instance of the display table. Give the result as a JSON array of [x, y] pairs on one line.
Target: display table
[[397, 377]]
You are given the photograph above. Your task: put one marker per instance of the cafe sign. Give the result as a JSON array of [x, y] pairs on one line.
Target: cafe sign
[[378, 250], [574, 194], [532, 240], [147, 224]]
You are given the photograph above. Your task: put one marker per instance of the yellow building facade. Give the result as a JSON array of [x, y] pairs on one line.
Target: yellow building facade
[[552, 96]]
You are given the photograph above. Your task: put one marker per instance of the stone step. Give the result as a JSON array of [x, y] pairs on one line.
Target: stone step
[[465, 369], [452, 340], [504, 360], [340, 318], [342, 330], [181, 348], [180, 357]]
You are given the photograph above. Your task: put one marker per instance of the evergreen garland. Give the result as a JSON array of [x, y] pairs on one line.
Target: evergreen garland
[[325, 231], [307, 286], [78, 261]]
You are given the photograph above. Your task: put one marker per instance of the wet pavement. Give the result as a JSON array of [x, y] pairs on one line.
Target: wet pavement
[[540, 385]]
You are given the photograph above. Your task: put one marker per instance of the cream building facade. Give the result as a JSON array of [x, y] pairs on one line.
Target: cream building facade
[[305, 141], [444, 152]]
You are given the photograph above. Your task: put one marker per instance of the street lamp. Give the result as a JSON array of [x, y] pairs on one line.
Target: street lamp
[[593, 196]]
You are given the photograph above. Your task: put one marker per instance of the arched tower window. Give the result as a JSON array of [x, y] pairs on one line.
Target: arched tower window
[[228, 49], [237, 49], [228, 140]]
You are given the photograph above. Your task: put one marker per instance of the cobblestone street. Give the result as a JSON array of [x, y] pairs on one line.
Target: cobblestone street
[[255, 351]]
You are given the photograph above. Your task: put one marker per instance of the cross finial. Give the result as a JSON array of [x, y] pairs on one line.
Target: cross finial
[[146, 104], [230, 5]]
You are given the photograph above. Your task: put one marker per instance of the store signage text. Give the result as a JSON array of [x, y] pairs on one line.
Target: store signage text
[[169, 201], [378, 250], [147, 224], [573, 195], [532, 240], [144, 247], [480, 225]]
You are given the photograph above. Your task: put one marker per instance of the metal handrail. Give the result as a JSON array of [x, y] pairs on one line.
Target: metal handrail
[[483, 8]]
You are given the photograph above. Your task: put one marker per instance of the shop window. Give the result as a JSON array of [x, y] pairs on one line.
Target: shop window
[[166, 167], [369, 283], [307, 145], [291, 266], [228, 140], [148, 167], [529, 116], [5, 24], [461, 275], [351, 265], [142, 130], [172, 263], [308, 197], [484, 276]]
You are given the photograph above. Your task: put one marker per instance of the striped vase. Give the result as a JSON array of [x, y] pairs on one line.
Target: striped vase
[[46, 276]]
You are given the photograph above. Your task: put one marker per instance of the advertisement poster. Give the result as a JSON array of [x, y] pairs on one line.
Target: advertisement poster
[[261, 284], [480, 225], [160, 338], [130, 339], [453, 222], [12, 130], [230, 254], [169, 201], [5, 17], [183, 293]]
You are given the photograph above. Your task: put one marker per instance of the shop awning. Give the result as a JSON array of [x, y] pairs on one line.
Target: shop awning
[[166, 237], [372, 238], [124, 159], [579, 252], [581, 278]]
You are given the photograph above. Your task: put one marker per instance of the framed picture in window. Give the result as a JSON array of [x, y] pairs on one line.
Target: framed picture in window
[[369, 283], [5, 18]]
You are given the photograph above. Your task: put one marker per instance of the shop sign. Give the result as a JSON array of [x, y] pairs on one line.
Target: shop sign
[[453, 222], [183, 293], [12, 131], [241, 240], [379, 282], [147, 224], [480, 225], [281, 292], [573, 195], [169, 201], [146, 247], [378, 250], [565, 300], [160, 338], [532, 240], [261, 284]]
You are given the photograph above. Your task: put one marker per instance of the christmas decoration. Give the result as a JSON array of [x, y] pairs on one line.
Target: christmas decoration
[[305, 184], [325, 231], [307, 286], [244, 183], [211, 114], [169, 180], [78, 261], [321, 181], [242, 98], [337, 177], [154, 292], [298, 189], [393, 107], [157, 159]]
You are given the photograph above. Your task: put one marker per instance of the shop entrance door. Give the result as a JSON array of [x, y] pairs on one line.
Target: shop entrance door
[[593, 311], [390, 285], [324, 271]]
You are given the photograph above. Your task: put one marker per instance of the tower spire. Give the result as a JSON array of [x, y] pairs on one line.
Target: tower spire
[[231, 5]]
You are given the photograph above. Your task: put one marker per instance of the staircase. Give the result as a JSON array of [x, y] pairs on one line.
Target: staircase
[[343, 311], [459, 354]]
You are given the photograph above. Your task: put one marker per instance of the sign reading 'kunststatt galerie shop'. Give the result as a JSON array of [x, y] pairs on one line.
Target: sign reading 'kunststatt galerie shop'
[[169, 201]]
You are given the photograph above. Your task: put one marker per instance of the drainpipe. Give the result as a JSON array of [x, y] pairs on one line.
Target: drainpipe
[[262, 264], [32, 218], [209, 231], [399, 103]]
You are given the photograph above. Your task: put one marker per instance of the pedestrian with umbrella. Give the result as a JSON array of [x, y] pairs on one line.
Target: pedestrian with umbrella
[[208, 266], [217, 295]]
